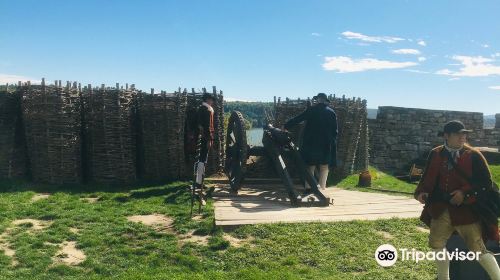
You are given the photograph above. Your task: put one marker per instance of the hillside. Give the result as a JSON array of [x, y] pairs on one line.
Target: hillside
[[253, 112]]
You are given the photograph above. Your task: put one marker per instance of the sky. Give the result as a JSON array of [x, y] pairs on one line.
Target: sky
[[419, 54]]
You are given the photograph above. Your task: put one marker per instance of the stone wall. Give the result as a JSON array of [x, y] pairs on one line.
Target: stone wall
[[400, 137], [491, 137]]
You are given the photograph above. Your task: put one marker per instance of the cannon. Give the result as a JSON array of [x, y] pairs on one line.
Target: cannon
[[276, 144]]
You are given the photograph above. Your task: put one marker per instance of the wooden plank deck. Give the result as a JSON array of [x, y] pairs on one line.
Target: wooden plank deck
[[259, 204]]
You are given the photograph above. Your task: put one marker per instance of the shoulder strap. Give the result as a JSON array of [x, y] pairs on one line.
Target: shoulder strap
[[435, 187], [460, 172]]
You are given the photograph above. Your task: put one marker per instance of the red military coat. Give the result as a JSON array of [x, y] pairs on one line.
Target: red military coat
[[437, 174]]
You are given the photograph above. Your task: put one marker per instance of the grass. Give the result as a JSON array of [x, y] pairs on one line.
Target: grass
[[495, 173], [119, 249], [383, 182], [380, 182]]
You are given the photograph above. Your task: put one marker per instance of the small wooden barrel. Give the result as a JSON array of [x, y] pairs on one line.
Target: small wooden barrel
[[365, 179]]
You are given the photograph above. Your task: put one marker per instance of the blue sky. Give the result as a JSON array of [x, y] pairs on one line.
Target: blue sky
[[424, 54]]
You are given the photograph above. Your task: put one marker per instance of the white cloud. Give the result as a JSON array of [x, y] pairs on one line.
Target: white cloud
[[496, 54], [485, 46], [406, 51], [421, 58], [315, 34], [13, 79], [472, 66], [416, 71], [495, 87], [453, 79], [422, 43], [372, 39], [344, 64]]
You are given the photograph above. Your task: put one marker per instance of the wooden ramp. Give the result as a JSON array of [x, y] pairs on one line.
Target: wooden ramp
[[269, 204]]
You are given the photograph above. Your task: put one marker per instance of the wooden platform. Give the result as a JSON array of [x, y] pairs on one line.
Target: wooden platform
[[259, 204]]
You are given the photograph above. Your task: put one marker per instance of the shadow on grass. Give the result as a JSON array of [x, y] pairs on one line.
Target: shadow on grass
[[20, 185], [140, 194], [172, 192]]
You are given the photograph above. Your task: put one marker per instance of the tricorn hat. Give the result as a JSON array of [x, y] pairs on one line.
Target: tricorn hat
[[453, 127], [321, 95]]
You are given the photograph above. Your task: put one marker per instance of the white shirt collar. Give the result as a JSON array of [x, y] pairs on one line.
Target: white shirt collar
[[208, 106]]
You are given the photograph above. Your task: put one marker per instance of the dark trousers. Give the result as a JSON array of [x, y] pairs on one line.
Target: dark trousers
[[204, 148], [199, 167]]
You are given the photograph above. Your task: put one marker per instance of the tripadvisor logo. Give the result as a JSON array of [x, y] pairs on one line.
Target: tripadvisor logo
[[387, 255]]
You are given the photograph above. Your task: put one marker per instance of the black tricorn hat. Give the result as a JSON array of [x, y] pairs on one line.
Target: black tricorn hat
[[453, 127], [322, 96]]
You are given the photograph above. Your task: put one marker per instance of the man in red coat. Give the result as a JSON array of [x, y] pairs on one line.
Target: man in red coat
[[444, 191]]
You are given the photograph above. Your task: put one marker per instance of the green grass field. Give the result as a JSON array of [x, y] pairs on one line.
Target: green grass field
[[192, 248], [380, 182], [495, 172]]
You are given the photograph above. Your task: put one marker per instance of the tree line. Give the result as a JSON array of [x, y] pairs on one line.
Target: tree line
[[253, 112]]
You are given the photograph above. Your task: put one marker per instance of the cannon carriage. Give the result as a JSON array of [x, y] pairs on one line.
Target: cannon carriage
[[277, 146]]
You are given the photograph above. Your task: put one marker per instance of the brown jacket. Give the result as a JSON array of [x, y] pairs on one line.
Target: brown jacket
[[205, 118]]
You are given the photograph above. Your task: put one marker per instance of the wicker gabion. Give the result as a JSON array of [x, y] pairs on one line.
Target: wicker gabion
[[52, 126], [352, 141], [12, 141], [107, 135], [161, 120], [167, 134], [110, 135]]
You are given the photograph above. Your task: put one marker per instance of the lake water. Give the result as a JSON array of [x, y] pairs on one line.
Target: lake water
[[254, 136]]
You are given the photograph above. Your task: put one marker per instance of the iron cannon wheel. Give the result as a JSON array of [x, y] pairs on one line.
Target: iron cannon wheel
[[236, 150]]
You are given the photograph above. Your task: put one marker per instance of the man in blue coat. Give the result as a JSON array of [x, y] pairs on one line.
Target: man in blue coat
[[319, 139]]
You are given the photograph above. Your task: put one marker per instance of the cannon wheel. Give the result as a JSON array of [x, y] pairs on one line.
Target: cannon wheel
[[236, 150]]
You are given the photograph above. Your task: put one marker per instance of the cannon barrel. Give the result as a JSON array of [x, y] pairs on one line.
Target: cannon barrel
[[278, 136], [276, 143]]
